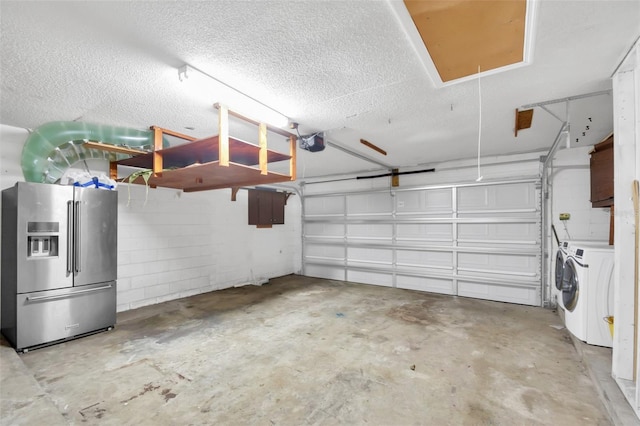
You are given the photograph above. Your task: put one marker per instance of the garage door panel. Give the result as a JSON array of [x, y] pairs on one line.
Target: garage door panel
[[359, 256], [523, 264], [324, 271], [324, 206], [425, 232], [424, 259], [322, 251], [370, 232], [495, 197], [432, 285], [324, 230], [366, 277], [475, 240], [499, 231], [369, 204], [500, 293], [424, 201]]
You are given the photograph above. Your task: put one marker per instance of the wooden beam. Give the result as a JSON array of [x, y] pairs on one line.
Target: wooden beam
[[523, 119], [157, 152], [395, 178], [234, 192], [372, 146], [262, 143], [611, 224], [223, 135], [172, 133], [113, 170], [112, 148], [252, 121], [635, 197], [292, 154]]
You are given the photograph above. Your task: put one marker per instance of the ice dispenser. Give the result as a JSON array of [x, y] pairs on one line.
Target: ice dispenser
[[42, 239]]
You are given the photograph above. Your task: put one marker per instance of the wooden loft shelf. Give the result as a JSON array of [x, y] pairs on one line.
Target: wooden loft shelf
[[204, 151], [212, 163], [112, 148], [195, 166], [203, 177]]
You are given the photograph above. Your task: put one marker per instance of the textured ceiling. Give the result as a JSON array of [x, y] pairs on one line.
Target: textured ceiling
[[344, 67]]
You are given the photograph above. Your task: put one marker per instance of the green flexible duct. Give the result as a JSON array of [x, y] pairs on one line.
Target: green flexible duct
[[55, 146]]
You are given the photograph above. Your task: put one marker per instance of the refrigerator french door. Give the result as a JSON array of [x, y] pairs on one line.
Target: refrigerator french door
[[59, 262]]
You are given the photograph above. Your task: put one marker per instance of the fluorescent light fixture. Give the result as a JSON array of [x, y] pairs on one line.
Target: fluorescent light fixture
[[219, 92]]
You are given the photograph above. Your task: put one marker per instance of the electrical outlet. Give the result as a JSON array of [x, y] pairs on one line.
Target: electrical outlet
[[565, 216]]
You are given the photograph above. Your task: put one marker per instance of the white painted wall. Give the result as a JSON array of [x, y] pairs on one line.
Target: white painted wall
[[571, 193], [173, 244], [626, 95]]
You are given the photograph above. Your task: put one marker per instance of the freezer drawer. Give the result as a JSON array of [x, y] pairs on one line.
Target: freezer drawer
[[47, 316]]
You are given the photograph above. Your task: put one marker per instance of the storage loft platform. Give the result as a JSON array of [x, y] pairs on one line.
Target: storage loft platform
[[204, 151], [212, 163], [211, 175]]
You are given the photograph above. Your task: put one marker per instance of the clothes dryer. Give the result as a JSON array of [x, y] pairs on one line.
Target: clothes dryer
[[587, 292]]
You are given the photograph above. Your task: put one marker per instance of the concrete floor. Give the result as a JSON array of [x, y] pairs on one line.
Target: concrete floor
[[309, 351]]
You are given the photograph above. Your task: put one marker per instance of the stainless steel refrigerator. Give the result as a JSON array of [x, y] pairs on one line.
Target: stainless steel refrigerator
[[59, 262]]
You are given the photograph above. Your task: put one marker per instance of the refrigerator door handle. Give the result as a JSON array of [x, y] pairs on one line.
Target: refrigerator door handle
[[76, 245], [69, 236], [62, 296]]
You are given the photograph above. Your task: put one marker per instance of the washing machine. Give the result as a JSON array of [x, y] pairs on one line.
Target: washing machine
[[561, 257], [556, 290], [587, 292]]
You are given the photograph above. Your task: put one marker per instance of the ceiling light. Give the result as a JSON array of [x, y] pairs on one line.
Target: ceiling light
[[219, 92]]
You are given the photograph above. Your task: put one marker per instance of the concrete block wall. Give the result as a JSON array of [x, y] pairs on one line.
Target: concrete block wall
[[173, 244], [164, 247], [571, 193]]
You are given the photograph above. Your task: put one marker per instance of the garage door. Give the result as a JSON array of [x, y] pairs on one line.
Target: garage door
[[479, 240]]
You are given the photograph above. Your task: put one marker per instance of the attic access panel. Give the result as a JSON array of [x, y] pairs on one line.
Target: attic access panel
[[462, 35]]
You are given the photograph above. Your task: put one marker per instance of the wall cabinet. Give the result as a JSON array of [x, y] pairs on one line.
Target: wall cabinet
[[602, 174], [266, 208]]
